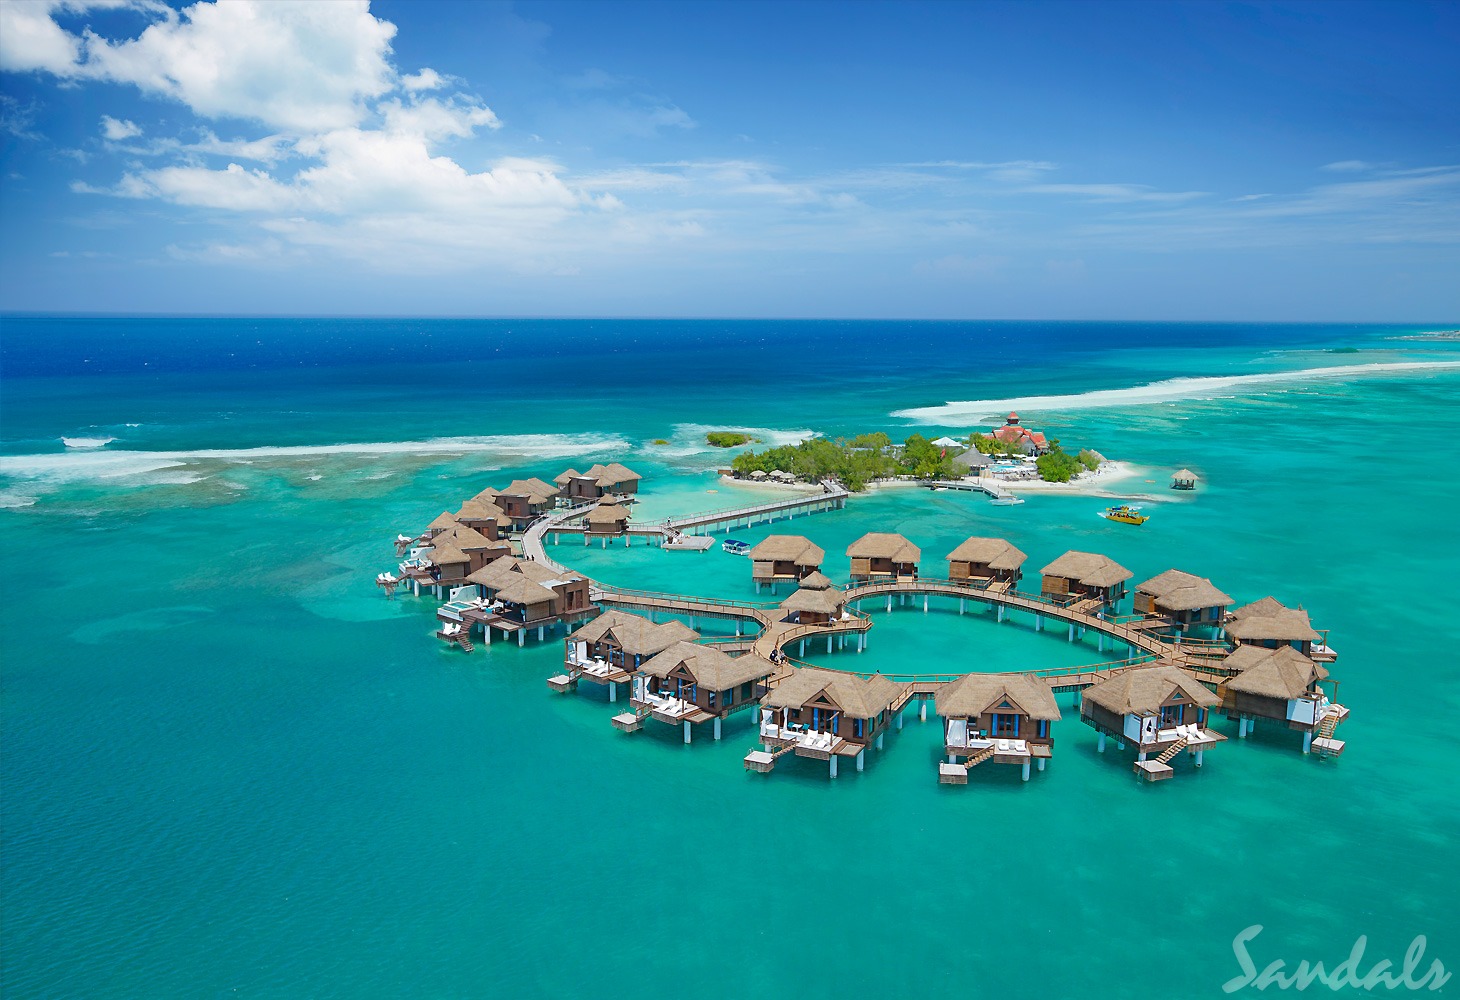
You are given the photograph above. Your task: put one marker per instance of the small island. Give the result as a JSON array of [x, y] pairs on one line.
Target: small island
[[727, 439]]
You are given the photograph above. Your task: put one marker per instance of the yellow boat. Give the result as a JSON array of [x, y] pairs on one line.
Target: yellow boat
[[1125, 515]]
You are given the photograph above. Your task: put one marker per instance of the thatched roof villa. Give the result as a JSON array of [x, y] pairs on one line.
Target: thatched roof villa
[[824, 715], [778, 558], [998, 718], [1160, 708]]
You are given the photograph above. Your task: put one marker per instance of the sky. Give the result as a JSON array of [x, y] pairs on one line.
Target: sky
[[1141, 161]]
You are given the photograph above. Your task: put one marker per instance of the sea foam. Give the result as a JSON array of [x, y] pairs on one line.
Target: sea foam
[[1169, 390]]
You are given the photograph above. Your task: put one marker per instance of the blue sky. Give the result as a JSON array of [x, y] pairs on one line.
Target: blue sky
[[940, 160]]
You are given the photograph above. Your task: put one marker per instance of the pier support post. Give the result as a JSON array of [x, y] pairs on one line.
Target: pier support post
[[879, 740], [889, 602], [860, 755], [686, 732], [717, 727], [1198, 758], [1308, 742], [861, 641], [487, 632], [925, 604], [1141, 756], [828, 643], [899, 719], [612, 692], [1041, 763], [539, 633], [522, 637], [1100, 642], [585, 539], [1100, 743], [923, 710], [803, 648], [1072, 632], [1026, 770], [739, 625], [962, 601], [1001, 614], [1038, 623], [833, 765], [1241, 727]]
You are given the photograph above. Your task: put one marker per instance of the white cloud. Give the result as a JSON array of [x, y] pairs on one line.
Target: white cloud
[[1348, 166], [115, 131], [269, 149], [31, 40], [427, 79], [1114, 192]]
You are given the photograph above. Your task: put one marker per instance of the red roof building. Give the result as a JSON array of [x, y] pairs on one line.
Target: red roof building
[[1013, 432]]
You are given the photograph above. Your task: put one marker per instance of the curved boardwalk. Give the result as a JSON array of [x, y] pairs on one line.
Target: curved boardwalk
[[774, 635]]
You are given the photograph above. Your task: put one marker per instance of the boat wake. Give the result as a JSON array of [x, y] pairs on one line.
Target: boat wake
[[1169, 390]]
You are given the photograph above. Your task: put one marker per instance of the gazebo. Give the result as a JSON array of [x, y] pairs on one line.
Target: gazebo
[[1183, 479]]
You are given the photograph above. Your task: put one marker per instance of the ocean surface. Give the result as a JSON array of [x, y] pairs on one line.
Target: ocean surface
[[230, 767]]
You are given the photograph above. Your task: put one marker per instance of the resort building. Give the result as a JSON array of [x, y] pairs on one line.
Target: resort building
[[689, 683], [781, 558], [612, 646], [1161, 709], [525, 500], [517, 596], [1183, 600], [1013, 432], [1281, 685], [815, 602], [608, 520], [973, 462], [992, 562], [1091, 581], [479, 549], [994, 718], [443, 521], [486, 517], [599, 481], [825, 715], [1270, 624], [882, 556], [443, 565]]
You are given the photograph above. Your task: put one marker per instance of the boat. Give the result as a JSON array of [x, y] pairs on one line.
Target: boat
[[1005, 500], [1125, 514], [735, 547]]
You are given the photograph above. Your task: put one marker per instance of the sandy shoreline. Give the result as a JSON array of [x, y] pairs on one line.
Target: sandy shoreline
[[1105, 481]]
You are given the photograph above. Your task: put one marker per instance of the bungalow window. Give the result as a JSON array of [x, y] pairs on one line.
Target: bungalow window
[[1171, 715], [746, 690], [1005, 725], [712, 699], [727, 697], [859, 727], [1043, 729]]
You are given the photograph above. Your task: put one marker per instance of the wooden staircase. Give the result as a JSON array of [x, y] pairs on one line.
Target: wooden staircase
[[985, 754], [1330, 723], [1171, 751]]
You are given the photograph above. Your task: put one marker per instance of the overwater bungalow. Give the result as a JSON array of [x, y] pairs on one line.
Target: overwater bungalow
[[824, 715], [1281, 685], [994, 718], [516, 596], [443, 520], [815, 602], [992, 562], [1183, 479], [525, 500], [1270, 623], [784, 558], [1013, 432], [443, 564], [1089, 580], [690, 683], [608, 520], [599, 481], [1185, 601], [612, 646], [883, 556], [1160, 708], [485, 517]]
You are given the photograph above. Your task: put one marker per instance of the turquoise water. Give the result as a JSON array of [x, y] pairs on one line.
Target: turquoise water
[[230, 767]]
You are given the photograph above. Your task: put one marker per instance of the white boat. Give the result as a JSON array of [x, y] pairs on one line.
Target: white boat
[[735, 547], [1006, 501]]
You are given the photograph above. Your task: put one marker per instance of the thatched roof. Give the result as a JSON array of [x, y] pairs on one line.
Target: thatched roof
[[796, 549], [506, 569], [611, 474], [1184, 474], [443, 553], [524, 591], [710, 667], [1272, 673], [975, 694], [1089, 568], [488, 495], [480, 510], [465, 538], [564, 478], [1284, 625], [973, 459], [1143, 690], [883, 545], [1178, 591], [443, 520], [816, 581], [608, 513], [826, 602], [534, 490], [635, 634], [995, 552], [858, 697], [1264, 607]]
